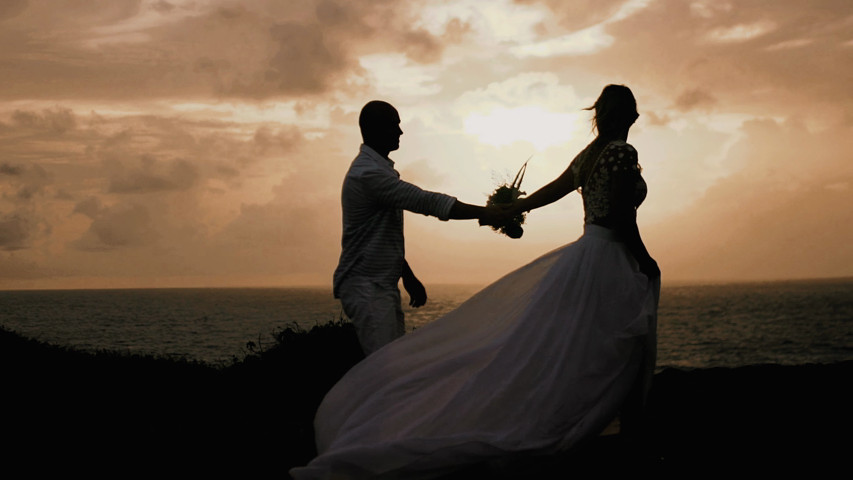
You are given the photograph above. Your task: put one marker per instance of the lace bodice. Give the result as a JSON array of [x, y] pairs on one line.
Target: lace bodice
[[595, 176]]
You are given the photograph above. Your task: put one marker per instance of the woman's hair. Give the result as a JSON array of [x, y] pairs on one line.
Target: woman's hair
[[615, 109]]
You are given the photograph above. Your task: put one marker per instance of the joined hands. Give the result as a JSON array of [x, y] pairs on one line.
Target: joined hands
[[499, 214]]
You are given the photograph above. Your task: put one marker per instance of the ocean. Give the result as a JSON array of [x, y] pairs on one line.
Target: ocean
[[699, 326]]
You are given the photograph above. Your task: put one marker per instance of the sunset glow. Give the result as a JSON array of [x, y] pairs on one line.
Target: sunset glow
[[534, 125], [182, 143]]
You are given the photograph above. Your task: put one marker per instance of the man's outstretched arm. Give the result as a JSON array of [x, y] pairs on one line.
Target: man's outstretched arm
[[487, 215], [396, 193]]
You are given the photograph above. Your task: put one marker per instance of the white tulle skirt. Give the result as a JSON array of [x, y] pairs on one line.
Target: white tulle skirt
[[533, 363]]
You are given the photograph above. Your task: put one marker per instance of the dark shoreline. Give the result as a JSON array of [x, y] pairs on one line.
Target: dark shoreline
[[94, 412]]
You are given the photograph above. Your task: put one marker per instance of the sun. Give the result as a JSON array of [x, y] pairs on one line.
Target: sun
[[533, 124]]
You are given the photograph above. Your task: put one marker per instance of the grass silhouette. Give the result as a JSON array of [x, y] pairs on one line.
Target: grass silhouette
[[100, 408], [116, 414]]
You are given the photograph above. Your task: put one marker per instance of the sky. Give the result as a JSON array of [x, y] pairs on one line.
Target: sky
[[192, 143]]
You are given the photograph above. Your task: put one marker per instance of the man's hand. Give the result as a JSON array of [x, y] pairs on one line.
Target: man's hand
[[497, 214], [416, 290], [649, 267]]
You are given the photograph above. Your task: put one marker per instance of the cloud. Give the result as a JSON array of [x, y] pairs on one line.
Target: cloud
[[163, 6], [583, 42], [795, 43], [741, 69], [456, 30], [164, 155], [525, 89], [781, 214], [11, 8], [421, 46], [656, 119], [152, 176], [267, 140], [680, 161], [305, 60], [23, 220], [90, 207], [582, 27], [15, 231], [422, 173], [741, 32], [154, 136], [14, 269], [580, 14], [35, 179], [710, 8], [64, 15], [296, 231], [11, 170], [396, 76], [280, 238], [93, 12], [694, 98], [532, 107], [25, 183], [56, 121], [118, 226], [146, 193], [254, 50], [172, 195]]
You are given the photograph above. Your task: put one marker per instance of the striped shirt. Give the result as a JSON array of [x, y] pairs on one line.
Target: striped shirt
[[373, 199]]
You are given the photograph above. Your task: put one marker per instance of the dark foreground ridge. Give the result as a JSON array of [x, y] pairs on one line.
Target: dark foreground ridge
[[120, 416]]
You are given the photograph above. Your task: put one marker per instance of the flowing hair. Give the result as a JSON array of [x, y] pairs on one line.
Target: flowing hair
[[615, 109]]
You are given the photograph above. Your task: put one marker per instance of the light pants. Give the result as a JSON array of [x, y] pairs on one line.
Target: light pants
[[375, 311]]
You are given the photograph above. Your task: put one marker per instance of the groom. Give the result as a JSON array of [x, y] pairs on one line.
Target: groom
[[372, 258]]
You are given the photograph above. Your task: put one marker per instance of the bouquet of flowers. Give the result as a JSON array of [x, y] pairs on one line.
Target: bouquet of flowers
[[506, 195]]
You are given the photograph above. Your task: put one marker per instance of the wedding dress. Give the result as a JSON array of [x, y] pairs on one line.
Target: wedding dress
[[534, 363]]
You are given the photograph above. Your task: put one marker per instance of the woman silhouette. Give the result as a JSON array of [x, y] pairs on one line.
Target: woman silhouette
[[534, 363]]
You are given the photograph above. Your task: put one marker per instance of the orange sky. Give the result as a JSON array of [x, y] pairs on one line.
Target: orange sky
[[203, 143]]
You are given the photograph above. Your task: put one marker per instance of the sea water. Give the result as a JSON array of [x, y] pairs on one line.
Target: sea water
[[699, 326]]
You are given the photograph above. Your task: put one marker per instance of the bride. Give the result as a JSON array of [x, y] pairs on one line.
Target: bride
[[543, 358]]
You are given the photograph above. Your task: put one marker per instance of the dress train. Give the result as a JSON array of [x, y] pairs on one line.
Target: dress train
[[535, 362]]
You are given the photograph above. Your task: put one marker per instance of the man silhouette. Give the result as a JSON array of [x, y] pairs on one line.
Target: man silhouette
[[372, 258]]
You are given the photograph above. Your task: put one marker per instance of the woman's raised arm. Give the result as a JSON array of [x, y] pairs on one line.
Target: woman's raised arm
[[550, 193]]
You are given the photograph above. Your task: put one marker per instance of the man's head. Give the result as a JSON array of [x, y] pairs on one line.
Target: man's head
[[380, 126]]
